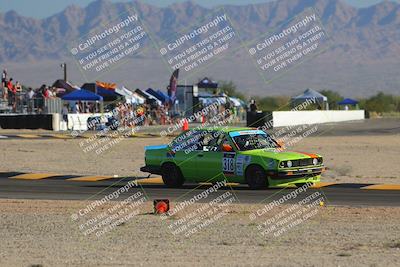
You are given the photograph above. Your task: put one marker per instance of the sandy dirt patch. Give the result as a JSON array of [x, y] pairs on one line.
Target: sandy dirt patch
[[42, 232]]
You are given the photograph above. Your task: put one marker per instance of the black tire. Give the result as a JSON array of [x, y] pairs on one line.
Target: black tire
[[256, 177], [172, 175]]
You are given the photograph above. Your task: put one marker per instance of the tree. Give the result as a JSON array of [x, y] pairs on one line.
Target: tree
[[382, 103], [333, 98], [273, 103], [230, 88]]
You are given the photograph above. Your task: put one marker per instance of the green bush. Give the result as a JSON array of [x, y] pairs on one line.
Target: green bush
[[381, 103]]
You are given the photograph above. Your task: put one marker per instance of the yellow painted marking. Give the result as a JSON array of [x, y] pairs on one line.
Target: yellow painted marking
[[90, 178], [322, 184], [382, 187], [28, 135], [34, 176], [61, 136], [138, 135], [155, 180]]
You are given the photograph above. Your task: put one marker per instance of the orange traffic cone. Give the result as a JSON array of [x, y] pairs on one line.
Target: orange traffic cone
[[185, 125], [161, 206]]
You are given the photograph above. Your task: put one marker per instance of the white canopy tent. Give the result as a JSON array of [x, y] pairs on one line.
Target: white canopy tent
[[313, 95], [130, 97], [139, 98], [236, 101]]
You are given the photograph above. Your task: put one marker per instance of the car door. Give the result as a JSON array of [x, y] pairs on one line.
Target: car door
[[183, 154], [212, 162]]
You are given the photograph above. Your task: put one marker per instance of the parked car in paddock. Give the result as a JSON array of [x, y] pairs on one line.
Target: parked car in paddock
[[242, 155], [98, 123]]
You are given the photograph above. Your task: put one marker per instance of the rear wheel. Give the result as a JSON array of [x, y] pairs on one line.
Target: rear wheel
[[256, 177], [171, 175]]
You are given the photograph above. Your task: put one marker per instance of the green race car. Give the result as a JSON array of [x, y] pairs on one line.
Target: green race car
[[240, 155]]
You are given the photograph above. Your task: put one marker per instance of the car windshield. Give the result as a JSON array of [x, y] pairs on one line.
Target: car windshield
[[254, 140]]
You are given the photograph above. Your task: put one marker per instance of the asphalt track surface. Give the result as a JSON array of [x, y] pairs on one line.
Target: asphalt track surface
[[337, 195]]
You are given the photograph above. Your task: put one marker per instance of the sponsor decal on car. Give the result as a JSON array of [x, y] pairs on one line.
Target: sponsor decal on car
[[241, 162]]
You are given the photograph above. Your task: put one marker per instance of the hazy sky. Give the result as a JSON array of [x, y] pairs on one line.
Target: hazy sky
[[45, 8]]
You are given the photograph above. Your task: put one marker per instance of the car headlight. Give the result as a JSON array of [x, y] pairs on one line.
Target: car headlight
[[315, 161], [289, 164]]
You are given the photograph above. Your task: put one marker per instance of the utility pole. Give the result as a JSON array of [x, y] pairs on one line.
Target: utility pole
[[64, 67]]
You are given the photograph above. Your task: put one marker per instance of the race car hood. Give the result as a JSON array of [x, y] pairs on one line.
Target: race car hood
[[284, 155]]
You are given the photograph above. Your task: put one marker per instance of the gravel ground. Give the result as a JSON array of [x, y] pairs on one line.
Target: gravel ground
[[42, 233]]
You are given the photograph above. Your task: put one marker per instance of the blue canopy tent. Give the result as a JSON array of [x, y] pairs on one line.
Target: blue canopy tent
[[107, 94], [347, 101], [164, 96], [149, 97], [82, 95]]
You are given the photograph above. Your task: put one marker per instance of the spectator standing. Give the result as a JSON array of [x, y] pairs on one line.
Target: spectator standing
[[10, 92], [50, 93], [40, 98], [29, 98], [64, 113], [46, 93], [4, 83], [18, 98], [18, 87], [76, 108], [253, 106]]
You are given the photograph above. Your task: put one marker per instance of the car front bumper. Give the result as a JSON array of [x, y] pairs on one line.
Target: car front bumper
[[296, 173]]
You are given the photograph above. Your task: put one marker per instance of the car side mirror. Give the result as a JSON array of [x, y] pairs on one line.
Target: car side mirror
[[281, 144], [227, 148]]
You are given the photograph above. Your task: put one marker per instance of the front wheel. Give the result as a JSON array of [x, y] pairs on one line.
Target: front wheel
[[256, 177], [171, 175]]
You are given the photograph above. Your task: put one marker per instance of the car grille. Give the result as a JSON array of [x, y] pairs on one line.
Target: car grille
[[302, 162]]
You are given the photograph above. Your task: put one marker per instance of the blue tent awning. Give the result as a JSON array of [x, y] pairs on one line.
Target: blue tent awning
[[147, 96], [155, 94], [106, 92], [82, 95], [163, 95], [348, 101]]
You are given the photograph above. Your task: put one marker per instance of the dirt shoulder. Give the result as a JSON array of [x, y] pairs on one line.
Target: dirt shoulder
[[42, 232]]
